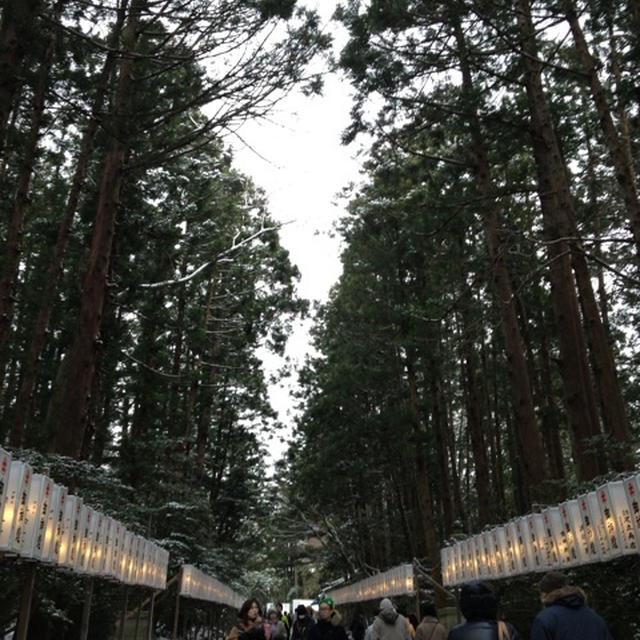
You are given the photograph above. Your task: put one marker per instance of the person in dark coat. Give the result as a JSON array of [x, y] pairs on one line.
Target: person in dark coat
[[566, 615], [358, 625], [328, 626], [479, 607], [302, 624]]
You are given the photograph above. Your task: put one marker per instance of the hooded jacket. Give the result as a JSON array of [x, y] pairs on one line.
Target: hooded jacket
[[566, 616], [390, 625], [479, 607]]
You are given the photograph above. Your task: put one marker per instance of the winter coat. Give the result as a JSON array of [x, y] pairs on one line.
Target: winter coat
[[301, 627], [480, 630], [430, 629], [278, 630], [567, 617], [390, 625], [252, 631], [330, 629]]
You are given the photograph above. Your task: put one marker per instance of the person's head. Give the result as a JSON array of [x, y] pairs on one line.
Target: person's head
[[386, 604], [478, 602], [301, 611], [428, 610], [551, 582], [272, 615], [250, 610], [325, 607], [279, 607], [413, 620]]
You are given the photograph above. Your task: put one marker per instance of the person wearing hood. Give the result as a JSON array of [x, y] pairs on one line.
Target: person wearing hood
[[430, 627], [566, 615], [302, 624], [390, 625], [328, 626], [479, 607]]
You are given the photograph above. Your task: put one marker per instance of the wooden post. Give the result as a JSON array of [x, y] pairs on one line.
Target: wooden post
[[176, 612], [123, 617], [86, 609], [137, 625], [25, 603], [150, 617]]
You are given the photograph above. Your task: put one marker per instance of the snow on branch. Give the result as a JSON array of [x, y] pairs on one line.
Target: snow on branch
[[235, 245]]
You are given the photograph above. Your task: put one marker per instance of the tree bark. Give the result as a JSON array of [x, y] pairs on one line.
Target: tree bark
[[624, 169], [559, 227], [38, 335], [18, 18], [534, 464], [16, 217], [67, 409]]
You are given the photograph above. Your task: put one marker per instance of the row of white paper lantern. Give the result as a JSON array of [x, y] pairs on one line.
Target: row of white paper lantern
[[200, 586], [393, 582], [41, 522], [597, 526]]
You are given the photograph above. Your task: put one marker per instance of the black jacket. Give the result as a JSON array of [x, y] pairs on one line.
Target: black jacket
[[480, 630], [327, 630], [567, 617], [301, 627]]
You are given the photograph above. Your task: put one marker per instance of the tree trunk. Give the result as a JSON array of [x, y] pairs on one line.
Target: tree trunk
[[68, 406], [423, 489], [624, 170], [534, 464], [20, 204], [47, 297], [559, 227], [18, 17]]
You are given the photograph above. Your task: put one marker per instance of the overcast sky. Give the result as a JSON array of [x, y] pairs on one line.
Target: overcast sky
[[298, 160]]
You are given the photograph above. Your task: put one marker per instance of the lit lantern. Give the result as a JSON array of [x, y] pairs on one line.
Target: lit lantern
[[535, 530], [572, 544], [54, 524], [445, 569], [523, 545], [499, 545], [552, 533], [13, 511], [487, 554], [123, 555], [67, 549], [36, 513], [620, 527], [96, 542], [117, 539], [470, 555], [588, 534], [5, 465], [602, 540], [512, 562], [109, 535], [632, 491]]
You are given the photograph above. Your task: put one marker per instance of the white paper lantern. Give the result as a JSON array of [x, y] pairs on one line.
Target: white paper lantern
[[535, 528], [14, 510], [571, 545], [5, 465], [499, 550], [632, 491], [513, 564], [69, 545], [552, 534], [617, 517], [523, 545], [602, 540], [36, 513], [54, 525]]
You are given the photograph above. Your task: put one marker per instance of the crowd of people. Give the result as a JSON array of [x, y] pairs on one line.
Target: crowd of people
[[565, 615]]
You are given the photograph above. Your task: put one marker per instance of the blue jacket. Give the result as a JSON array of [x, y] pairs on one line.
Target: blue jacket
[[567, 617]]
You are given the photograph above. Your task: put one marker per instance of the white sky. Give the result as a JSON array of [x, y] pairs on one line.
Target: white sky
[[302, 169]]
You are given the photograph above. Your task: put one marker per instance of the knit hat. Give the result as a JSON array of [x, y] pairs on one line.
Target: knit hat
[[478, 602], [301, 610], [552, 581], [327, 600], [385, 603]]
